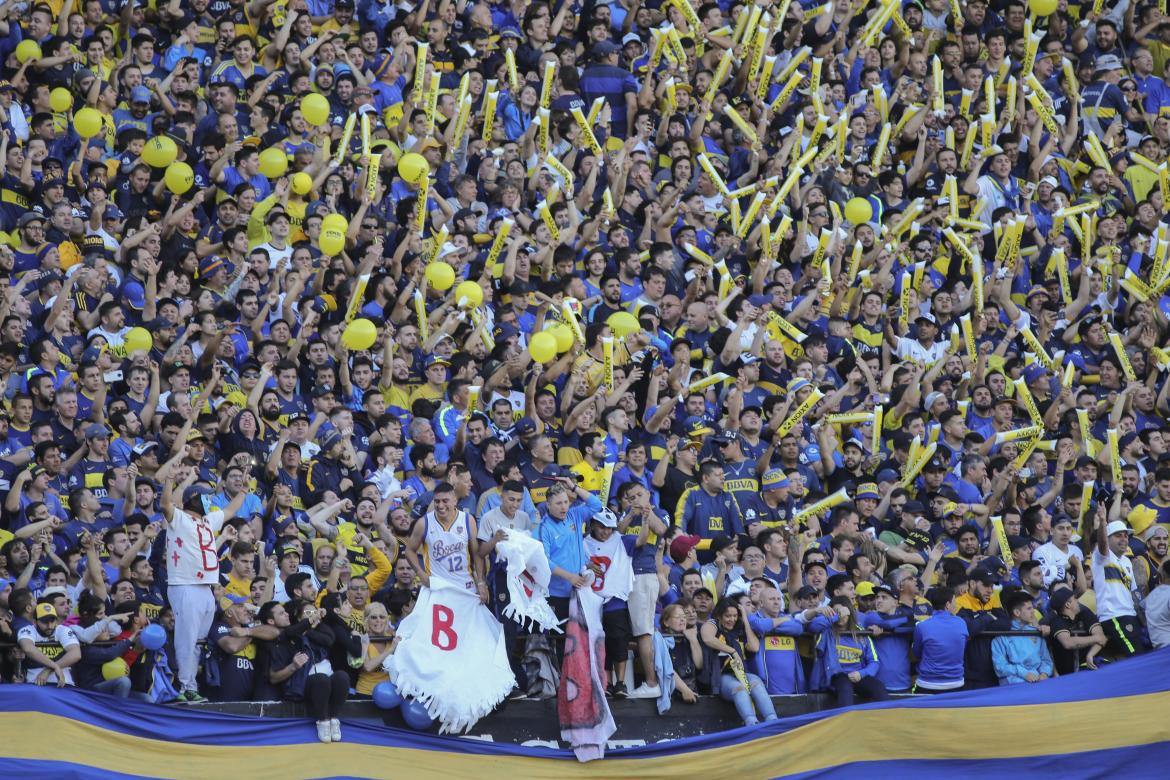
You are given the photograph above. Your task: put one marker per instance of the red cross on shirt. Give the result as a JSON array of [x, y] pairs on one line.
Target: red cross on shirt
[[175, 557]]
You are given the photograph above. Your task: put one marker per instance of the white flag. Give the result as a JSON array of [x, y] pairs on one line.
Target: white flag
[[528, 577], [451, 657]]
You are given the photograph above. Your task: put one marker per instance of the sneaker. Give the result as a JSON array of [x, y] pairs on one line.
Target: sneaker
[[191, 696], [517, 694], [619, 691], [645, 691], [323, 731], [335, 730]]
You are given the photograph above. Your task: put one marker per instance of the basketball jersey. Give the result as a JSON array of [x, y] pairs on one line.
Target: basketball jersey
[[448, 552]]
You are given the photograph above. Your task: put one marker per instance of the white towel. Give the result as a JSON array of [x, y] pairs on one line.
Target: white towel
[[528, 578], [451, 657]]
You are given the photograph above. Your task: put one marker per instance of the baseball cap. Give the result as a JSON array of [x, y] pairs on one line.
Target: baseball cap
[[606, 48], [297, 417], [932, 399], [96, 431], [797, 385], [140, 94], [725, 437], [194, 492], [525, 426], [1001, 399], [29, 217], [864, 588], [806, 592], [436, 360], [1116, 527], [45, 611], [935, 464], [1033, 373], [292, 549], [606, 518], [696, 426], [1107, 62], [982, 576], [1059, 598], [682, 545], [630, 37]]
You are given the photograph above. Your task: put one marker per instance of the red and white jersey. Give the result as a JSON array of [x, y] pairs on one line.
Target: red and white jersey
[[191, 554]]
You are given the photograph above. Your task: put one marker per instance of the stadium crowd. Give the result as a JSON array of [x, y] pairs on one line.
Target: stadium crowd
[[827, 342]]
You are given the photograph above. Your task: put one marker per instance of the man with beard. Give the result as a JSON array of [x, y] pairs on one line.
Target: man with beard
[[852, 472], [611, 300], [979, 412]]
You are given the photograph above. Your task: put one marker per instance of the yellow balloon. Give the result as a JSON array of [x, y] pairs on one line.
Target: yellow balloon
[[332, 242], [858, 211], [60, 100], [413, 168], [179, 177], [160, 151], [440, 275], [112, 670], [87, 122], [563, 335], [622, 324], [335, 222], [359, 334], [137, 340], [469, 294], [542, 346], [1043, 7], [315, 109], [302, 183], [26, 50], [273, 163]]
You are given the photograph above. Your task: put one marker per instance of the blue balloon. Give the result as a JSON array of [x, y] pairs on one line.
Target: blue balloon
[[416, 715], [153, 637], [386, 696]]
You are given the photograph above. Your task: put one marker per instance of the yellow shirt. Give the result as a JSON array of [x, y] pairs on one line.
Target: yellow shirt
[[592, 476]]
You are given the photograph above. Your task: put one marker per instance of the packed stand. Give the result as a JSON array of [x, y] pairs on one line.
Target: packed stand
[[826, 342]]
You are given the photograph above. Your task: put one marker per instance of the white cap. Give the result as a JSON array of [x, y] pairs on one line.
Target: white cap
[[1116, 527]]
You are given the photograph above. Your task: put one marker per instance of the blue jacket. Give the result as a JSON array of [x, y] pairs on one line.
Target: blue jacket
[[562, 540], [843, 653], [939, 644], [893, 647], [1017, 656], [778, 662]]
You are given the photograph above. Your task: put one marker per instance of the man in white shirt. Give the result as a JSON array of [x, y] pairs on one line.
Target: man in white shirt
[[1114, 585], [1054, 555], [923, 349], [50, 648], [192, 567]]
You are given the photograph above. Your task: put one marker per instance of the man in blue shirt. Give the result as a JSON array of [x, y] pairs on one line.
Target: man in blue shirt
[[708, 511], [606, 79], [561, 531], [939, 644]]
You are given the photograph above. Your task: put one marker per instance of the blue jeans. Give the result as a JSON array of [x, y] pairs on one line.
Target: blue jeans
[[748, 704], [120, 687]]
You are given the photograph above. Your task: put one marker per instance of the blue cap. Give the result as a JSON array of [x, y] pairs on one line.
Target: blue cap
[[696, 426], [525, 426], [867, 490], [140, 95], [436, 360], [774, 478], [1033, 373], [194, 491]]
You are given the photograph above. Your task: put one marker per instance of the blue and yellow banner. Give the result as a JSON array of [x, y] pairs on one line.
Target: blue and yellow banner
[[1091, 724]]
